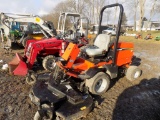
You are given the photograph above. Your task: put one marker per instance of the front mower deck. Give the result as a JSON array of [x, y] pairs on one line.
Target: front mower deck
[[68, 103]]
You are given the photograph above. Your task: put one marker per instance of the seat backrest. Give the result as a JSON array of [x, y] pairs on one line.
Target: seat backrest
[[102, 41]]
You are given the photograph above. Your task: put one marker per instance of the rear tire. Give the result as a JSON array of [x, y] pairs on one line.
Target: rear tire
[[98, 84], [133, 72], [49, 63]]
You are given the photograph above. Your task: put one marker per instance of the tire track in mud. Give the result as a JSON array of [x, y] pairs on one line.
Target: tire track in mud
[[104, 110], [150, 62], [14, 101]]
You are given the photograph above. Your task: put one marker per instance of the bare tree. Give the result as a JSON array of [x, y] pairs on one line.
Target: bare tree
[[91, 9], [115, 15], [54, 15], [151, 13], [124, 19], [132, 7], [77, 5], [98, 6], [88, 8], [108, 13], [142, 10], [157, 7], [135, 13]]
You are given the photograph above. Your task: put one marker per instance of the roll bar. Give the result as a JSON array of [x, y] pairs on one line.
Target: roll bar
[[118, 28]]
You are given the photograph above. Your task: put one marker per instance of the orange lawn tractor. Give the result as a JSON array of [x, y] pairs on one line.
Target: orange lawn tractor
[[80, 72], [148, 36], [96, 65]]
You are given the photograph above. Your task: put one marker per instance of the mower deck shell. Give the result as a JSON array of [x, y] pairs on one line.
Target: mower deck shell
[[68, 103]]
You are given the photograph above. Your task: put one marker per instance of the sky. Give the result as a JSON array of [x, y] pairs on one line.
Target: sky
[[36, 7], [42, 7]]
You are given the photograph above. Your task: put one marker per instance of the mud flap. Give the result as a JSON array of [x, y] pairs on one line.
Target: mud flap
[[17, 66]]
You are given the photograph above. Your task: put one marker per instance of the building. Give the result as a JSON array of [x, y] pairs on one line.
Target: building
[[148, 25]]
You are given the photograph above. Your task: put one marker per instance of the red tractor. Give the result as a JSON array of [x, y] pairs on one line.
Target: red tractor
[[45, 51], [79, 73], [138, 36]]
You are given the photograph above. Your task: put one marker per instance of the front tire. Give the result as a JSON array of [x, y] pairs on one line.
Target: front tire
[[49, 63], [98, 84], [133, 72]]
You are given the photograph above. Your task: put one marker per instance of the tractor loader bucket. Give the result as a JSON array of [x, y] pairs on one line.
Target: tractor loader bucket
[[17, 66]]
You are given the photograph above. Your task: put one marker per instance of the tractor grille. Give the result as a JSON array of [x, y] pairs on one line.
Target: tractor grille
[[28, 50]]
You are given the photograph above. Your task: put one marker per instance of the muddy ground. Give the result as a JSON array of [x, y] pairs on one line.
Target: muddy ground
[[15, 103]]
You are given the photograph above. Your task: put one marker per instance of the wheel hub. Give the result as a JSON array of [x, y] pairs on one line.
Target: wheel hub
[[51, 64], [136, 75], [100, 85]]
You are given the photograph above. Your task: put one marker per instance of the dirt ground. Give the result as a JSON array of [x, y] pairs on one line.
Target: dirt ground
[[15, 103]]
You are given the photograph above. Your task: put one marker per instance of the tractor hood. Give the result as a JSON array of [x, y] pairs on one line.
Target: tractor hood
[[49, 41]]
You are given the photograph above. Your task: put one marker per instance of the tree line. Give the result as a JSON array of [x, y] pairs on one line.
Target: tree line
[[91, 9]]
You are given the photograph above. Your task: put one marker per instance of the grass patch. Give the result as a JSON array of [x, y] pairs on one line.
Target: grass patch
[[132, 38], [143, 33]]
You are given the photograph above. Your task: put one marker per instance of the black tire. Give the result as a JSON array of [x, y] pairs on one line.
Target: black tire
[[48, 62], [44, 114], [24, 41], [31, 79], [98, 84], [133, 72]]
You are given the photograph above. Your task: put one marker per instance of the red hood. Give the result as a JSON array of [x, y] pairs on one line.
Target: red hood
[[49, 40], [45, 41]]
